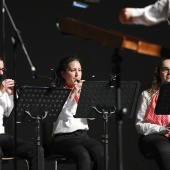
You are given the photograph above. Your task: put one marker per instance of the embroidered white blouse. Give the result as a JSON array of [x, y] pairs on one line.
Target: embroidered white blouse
[[142, 126]]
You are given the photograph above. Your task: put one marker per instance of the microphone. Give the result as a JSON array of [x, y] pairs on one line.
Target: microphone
[[2, 78], [52, 81], [34, 75], [55, 76], [112, 80]]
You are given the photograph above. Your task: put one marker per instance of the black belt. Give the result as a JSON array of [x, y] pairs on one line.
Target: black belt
[[70, 133]]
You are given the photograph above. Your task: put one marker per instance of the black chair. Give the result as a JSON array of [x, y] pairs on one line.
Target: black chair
[[46, 143], [6, 159], [147, 158]]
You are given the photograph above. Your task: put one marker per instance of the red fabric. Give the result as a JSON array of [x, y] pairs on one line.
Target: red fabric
[[151, 117], [76, 96]]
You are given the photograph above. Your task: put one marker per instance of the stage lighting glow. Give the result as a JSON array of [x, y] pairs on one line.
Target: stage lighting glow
[[80, 4]]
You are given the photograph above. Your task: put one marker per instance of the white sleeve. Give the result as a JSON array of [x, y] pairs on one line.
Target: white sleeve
[[152, 14], [68, 110], [143, 127], [6, 103], [10, 105]]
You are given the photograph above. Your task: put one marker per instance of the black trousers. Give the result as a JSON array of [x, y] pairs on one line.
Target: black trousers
[[24, 149], [158, 146], [79, 146]]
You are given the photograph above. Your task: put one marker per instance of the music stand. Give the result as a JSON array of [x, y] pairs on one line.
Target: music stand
[[163, 102], [101, 95], [97, 99], [40, 103]]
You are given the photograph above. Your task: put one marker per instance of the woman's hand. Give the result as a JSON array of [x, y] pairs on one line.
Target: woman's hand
[[77, 89], [8, 86]]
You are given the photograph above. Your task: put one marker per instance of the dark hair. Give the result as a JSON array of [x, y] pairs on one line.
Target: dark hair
[[62, 67], [156, 80]]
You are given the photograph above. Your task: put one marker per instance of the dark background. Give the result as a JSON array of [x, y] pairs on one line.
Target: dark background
[[46, 45]]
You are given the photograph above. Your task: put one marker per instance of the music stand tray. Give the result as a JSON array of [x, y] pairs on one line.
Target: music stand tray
[[163, 102], [100, 95]]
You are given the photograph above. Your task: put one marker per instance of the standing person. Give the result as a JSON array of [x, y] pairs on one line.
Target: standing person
[[24, 149], [70, 136], [154, 129], [149, 15]]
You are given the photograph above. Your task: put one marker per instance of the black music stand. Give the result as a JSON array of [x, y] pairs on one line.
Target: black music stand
[[98, 99], [40, 103], [163, 102]]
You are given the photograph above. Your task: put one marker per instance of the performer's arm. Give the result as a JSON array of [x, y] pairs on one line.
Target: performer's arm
[[149, 15]]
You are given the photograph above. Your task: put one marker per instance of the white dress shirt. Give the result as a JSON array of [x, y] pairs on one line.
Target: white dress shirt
[[6, 106], [152, 14], [66, 123], [142, 126]]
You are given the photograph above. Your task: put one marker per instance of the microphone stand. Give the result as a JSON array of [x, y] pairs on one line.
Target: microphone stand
[[15, 109], [18, 35], [119, 116], [3, 33], [14, 42]]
